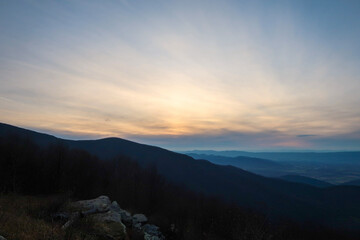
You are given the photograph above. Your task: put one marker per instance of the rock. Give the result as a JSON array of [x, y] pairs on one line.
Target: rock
[[137, 226], [110, 230], [109, 224], [2, 238], [106, 216], [115, 206], [108, 219], [151, 229], [151, 237], [125, 215], [151, 232], [101, 202], [139, 218]]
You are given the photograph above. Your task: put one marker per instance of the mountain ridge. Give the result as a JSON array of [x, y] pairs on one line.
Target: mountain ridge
[[273, 196], [343, 157]]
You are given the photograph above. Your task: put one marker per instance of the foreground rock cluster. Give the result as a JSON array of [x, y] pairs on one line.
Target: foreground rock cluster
[[109, 219]]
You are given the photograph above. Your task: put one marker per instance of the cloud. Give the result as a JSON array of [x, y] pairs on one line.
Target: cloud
[[306, 135], [253, 76]]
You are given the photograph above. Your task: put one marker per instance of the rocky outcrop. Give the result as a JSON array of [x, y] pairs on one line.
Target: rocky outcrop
[[125, 215], [109, 219], [138, 220], [106, 220], [101, 202], [152, 232]]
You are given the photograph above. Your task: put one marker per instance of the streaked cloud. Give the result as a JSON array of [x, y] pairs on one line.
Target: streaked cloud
[[221, 73], [306, 135]]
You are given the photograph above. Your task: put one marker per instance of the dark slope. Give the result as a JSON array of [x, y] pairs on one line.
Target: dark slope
[[352, 183], [306, 180], [112, 147], [275, 196], [39, 138]]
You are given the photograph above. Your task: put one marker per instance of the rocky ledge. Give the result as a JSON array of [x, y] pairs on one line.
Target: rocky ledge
[[110, 220]]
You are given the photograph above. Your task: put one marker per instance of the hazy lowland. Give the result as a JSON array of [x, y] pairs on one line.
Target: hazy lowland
[[332, 167]]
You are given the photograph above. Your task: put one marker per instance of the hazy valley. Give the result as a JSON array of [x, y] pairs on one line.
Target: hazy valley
[[333, 167]]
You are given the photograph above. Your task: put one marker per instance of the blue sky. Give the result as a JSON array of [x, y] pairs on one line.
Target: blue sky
[[248, 75]]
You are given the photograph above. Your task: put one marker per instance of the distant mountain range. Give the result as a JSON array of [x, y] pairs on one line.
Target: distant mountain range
[[352, 157], [261, 166], [239, 161], [332, 167], [337, 206], [256, 165]]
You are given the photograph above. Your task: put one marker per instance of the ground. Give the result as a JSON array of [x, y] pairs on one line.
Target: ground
[[29, 218]]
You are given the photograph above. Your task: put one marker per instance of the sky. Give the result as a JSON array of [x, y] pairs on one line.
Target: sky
[[243, 75]]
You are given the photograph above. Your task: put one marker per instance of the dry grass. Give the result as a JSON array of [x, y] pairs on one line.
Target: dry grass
[[28, 218], [24, 218]]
